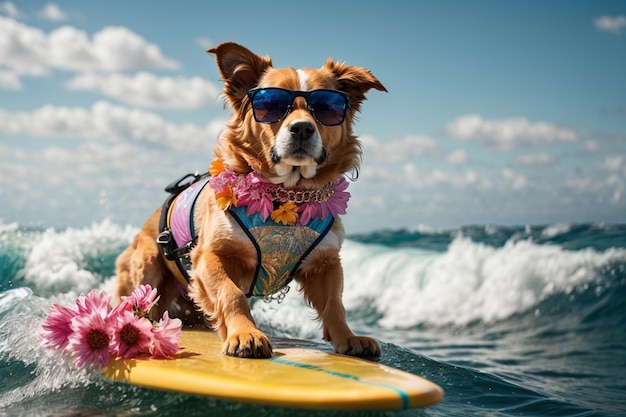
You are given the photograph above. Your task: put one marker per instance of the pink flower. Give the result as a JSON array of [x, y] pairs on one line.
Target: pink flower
[[336, 204], [89, 342], [166, 335], [141, 300], [256, 195], [219, 182], [96, 301], [132, 336], [56, 328]]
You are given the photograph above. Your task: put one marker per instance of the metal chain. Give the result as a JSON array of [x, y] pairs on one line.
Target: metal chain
[[321, 195]]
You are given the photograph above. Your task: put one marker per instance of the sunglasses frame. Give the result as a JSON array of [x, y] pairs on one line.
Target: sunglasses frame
[[307, 97]]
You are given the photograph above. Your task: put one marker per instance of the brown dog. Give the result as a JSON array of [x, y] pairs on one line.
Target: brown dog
[[290, 141]]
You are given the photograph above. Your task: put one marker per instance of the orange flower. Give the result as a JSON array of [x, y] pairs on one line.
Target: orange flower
[[216, 168], [286, 214], [226, 198]]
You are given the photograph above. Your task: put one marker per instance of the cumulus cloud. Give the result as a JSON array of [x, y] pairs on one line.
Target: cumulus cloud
[[457, 157], [148, 90], [106, 121], [53, 12], [513, 180], [591, 146], [508, 133], [204, 43], [31, 51], [613, 164], [10, 81], [10, 9], [411, 176], [90, 181], [399, 150], [536, 159], [612, 24]]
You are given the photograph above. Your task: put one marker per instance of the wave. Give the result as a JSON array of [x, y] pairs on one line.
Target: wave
[[466, 281], [51, 261], [470, 282]]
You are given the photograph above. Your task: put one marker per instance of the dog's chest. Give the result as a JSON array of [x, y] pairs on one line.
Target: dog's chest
[[280, 249]]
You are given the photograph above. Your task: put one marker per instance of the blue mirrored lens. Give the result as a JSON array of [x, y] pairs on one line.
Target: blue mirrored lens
[[270, 105], [329, 107]]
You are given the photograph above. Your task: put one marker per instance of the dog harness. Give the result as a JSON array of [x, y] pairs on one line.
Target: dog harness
[[280, 248]]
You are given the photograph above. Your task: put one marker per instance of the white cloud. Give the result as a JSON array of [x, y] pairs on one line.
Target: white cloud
[[204, 43], [53, 12], [613, 164], [411, 176], [612, 24], [591, 146], [508, 133], [10, 81], [28, 50], [457, 157], [513, 180], [536, 159], [618, 183], [10, 9], [71, 182], [400, 150], [148, 90], [106, 121]]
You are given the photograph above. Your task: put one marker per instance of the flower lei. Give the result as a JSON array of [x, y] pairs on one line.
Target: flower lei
[[93, 332], [282, 205]]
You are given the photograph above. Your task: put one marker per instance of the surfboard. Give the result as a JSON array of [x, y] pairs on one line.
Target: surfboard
[[295, 377]]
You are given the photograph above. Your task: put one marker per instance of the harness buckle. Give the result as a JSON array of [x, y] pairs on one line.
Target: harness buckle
[[182, 183], [164, 239]]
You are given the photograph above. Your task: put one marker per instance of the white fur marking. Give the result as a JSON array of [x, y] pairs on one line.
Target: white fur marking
[[303, 77]]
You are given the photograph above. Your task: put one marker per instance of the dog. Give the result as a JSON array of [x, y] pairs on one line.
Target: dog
[[291, 141]]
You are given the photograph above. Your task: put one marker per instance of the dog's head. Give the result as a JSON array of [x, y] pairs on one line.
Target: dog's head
[[292, 126]]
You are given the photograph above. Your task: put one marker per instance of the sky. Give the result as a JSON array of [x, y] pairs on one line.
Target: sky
[[506, 113]]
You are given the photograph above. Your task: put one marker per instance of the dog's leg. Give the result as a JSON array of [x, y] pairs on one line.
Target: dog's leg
[[322, 286], [125, 284], [217, 294]]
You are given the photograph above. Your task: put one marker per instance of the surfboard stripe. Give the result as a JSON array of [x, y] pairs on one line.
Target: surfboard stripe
[[404, 397]]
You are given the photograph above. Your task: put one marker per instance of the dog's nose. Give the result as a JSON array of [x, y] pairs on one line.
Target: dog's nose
[[301, 130]]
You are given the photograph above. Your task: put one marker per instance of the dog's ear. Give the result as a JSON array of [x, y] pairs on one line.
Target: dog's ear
[[355, 81], [240, 69]]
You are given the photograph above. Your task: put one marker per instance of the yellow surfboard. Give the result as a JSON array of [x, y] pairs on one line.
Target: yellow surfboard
[[293, 377]]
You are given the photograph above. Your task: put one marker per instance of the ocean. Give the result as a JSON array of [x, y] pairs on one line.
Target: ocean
[[509, 321]]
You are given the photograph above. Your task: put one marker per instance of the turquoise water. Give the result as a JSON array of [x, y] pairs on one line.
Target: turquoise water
[[510, 321]]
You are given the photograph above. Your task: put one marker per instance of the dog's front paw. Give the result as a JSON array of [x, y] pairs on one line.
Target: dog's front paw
[[248, 345], [361, 346]]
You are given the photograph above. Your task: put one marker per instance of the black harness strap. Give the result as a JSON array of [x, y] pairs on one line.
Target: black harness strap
[[165, 239]]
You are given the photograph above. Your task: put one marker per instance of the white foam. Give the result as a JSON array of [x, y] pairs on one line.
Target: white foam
[[19, 340], [55, 262], [469, 282], [555, 230]]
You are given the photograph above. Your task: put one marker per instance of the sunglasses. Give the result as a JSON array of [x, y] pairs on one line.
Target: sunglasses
[[271, 105]]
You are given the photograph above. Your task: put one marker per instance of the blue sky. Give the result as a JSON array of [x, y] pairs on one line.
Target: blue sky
[[497, 112]]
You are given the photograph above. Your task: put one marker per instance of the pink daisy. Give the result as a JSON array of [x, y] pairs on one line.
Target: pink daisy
[[89, 342], [145, 297], [97, 301], [166, 336], [56, 328], [219, 182], [256, 194], [139, 302], [132, 336]]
